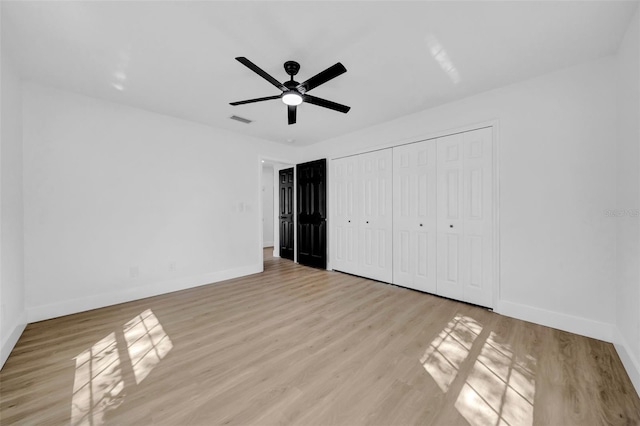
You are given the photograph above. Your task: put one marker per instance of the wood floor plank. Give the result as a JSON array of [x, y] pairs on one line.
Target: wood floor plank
[[295, 345]]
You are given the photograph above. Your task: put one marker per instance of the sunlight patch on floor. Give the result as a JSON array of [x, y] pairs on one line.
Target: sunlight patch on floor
[[447, 352], [147, 343], [500, 388], [99, 382]]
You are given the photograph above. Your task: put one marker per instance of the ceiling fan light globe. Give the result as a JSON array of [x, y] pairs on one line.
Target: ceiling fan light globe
[[290, 98]]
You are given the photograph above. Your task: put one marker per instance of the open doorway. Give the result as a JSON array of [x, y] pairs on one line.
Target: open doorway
[[286, 213], [270, 206]]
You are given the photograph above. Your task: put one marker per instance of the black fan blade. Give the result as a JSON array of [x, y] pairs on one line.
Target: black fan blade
[[249, 101], [292, 114], [325, 103], [253, 67], [323, 77]]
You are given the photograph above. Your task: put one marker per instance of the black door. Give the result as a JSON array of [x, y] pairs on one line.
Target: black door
[[312, 213], [286, 213]]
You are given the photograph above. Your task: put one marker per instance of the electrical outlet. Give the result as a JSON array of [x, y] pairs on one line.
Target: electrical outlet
[[172, 266], [133, 272]]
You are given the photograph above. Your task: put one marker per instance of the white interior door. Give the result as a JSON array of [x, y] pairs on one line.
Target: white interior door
[[344, 240], [414, 216], [375, 223], [465, 217]]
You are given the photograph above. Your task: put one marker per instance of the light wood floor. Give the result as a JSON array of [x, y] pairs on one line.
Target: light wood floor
[[300, 346]]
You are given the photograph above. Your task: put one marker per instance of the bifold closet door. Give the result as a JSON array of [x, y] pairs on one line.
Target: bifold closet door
[[414, 216], [344, 240], [465, 217], [376, 221], [362, 215]]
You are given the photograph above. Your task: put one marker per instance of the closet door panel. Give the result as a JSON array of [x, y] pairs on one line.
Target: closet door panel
[[414, 216], [344, 240], [465, 216], [375, 219], [450, 225], [477, 212]]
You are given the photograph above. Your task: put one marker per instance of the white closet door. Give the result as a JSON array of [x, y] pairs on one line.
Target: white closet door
[[465, 204], [375, 222], [344, 240], [477, 211], [449, 152], [414, 216]]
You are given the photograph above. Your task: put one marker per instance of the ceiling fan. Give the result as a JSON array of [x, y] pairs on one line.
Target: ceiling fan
[[294, 93]]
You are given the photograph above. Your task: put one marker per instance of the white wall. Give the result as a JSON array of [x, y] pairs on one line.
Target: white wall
[[13, 316], [112, 192], [556, 136], [267, 206], [628, 236]]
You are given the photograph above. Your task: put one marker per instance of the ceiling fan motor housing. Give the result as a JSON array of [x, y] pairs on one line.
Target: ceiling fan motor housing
[[291, 67]]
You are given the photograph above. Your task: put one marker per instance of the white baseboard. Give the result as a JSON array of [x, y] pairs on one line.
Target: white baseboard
[[570, 323], [10, 341], [630, 362], [266, 244], [43, 312]]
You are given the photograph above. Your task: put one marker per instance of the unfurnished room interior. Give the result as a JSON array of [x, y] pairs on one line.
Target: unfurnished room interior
[[320, 213]]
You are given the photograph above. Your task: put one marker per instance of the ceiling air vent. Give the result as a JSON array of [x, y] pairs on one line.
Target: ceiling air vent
[[241, 119]]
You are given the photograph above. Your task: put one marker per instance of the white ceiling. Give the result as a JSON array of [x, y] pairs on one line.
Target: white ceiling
[[177, 58]]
